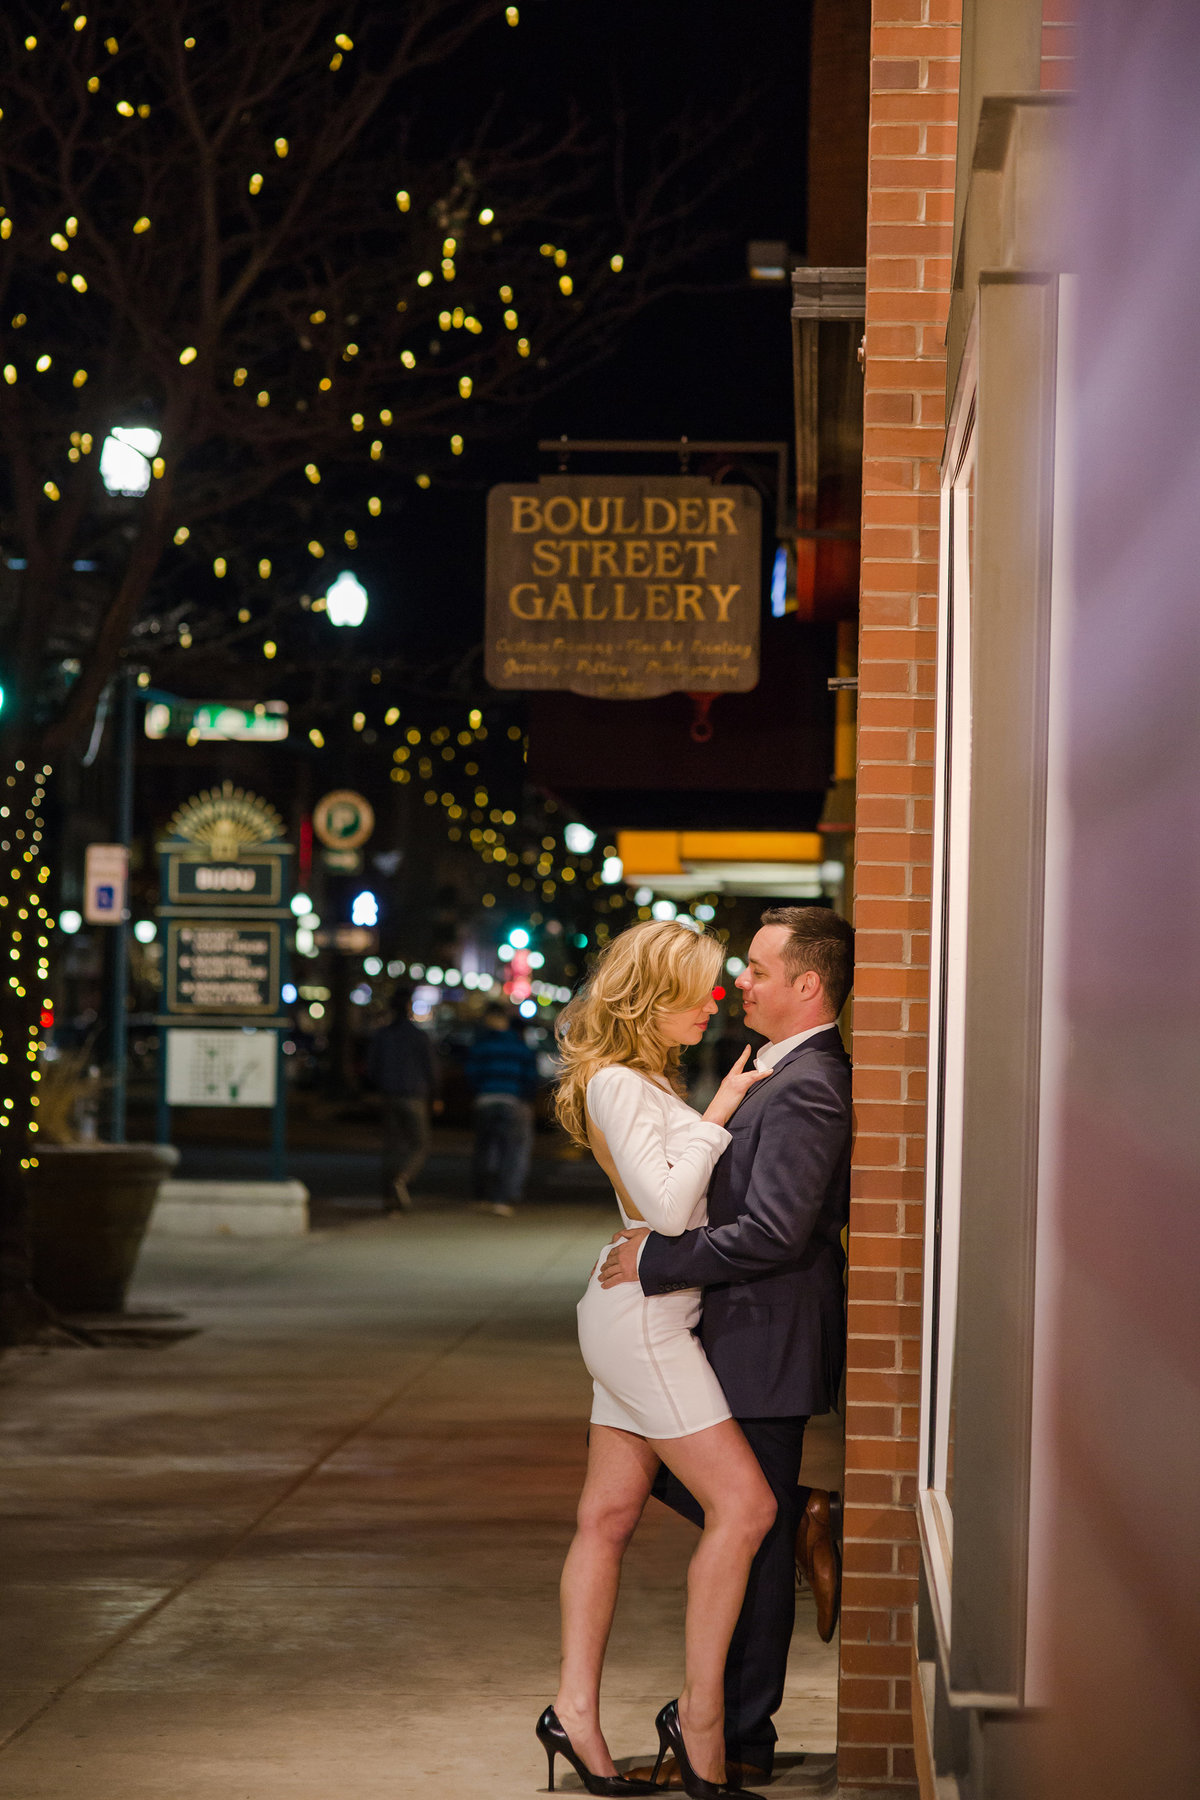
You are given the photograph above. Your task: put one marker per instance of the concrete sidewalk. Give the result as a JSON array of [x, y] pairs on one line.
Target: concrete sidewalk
[[311, 1552]]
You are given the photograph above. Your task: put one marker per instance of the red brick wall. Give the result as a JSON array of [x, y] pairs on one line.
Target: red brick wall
[[1058, 45], [914, 101]]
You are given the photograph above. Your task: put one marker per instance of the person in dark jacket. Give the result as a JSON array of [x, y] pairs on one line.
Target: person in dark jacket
[[400, 1064], [503, 1074]]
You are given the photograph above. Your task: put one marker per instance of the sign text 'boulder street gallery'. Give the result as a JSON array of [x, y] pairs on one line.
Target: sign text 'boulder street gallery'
[[624, 587]]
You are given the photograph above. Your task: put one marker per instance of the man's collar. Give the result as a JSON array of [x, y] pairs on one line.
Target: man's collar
[[771, 1055]]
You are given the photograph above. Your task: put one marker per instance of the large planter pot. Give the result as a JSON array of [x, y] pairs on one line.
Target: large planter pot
[[90, 1206]]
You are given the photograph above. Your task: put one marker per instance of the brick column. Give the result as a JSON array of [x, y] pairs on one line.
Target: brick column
[[914, 101]]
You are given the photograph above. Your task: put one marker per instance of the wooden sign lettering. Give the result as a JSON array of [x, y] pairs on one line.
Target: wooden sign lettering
[[623, 587]]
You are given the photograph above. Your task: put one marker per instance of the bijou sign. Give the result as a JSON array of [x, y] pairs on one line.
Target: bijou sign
[[624, 587]]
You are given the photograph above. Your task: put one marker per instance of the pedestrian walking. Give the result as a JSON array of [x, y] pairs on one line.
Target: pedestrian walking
[[503, 1074], [400, 1064]]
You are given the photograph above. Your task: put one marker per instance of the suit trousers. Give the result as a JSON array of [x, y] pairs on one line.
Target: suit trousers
[[757, 1663]]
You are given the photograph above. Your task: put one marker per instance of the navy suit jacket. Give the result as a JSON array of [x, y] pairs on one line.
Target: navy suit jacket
[[770, 1259]]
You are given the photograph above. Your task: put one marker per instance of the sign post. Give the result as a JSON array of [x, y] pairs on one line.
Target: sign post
[[225, 886]]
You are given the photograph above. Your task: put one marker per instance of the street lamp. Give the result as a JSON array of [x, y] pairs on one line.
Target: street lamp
[[125, 459], [346, 600]]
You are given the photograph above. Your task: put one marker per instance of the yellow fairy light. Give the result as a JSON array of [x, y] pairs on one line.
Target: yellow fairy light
[[523, 346], [506, 293], [185, 637], [31, 43], [358, 721], [458, 318], [79, 283], [546, 249], [140, 225], [143, 111], [239, 377], [391, 715], [93, 85], [43, 363], [566, 284], [125, 109], [357, 421], [449, 246], [350, 350], [513, 15], [616, 263], [158, 468], [445, 320], [269, 649], [456, 444], [465, 384], [255, 184], [385, 416], [486, 216], [474, 718], [406, 356], [376, 450], [350, 539], [50, 490], [58, 240], [335, 61], [188, 355], [281, 147], [422, 480], [81, 21], [343, 42], [560, 259], [85, 442], [79, 377], [111, 45], [447, 269], [413, 735], [5, 228], [510, 319], [264, 567], [316, 549], [243, 615], [182, 534], [316, 737], [424, 278], [324, 384], [219, 566], [473, 324], [374, 506], [403, 200], [262, 397], [313, 473], [189, 43]]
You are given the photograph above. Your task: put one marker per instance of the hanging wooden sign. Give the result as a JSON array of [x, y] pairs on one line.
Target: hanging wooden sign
[[624, 587]]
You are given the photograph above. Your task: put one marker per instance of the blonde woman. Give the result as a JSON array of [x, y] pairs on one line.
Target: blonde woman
[[655, 1395]]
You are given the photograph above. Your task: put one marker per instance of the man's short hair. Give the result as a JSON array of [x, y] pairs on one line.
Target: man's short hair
[[819, 940]]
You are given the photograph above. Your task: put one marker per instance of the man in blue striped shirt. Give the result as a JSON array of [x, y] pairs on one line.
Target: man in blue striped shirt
[[503, 1073]]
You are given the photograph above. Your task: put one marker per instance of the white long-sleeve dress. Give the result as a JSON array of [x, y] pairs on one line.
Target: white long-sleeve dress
[[650, 1374]]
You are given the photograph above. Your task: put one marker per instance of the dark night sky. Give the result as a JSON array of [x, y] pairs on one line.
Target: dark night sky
[[714, 364]]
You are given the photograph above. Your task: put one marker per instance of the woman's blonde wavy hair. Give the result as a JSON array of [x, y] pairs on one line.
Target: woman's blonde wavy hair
[[650, 969]]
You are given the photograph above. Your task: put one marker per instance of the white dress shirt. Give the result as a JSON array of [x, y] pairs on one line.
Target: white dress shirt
[[770, 1054]]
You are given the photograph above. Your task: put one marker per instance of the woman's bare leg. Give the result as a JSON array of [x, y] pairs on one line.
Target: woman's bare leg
[[720, 1469], [621, 1468]]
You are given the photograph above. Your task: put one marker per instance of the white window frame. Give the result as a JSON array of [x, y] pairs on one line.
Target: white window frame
[[947, 988]]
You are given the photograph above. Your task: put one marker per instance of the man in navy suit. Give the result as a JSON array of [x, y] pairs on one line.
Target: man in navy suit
[[771, 1264]]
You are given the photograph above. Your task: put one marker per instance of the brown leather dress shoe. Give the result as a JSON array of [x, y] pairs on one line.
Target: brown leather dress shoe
[[819, 1558], [737, 1775]]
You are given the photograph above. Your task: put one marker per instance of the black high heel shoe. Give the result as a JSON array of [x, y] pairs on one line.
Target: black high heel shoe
[[555, 1742], [670, 1737]]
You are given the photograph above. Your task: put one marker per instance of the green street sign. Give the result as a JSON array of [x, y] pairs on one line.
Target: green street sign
[[206, 721]]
